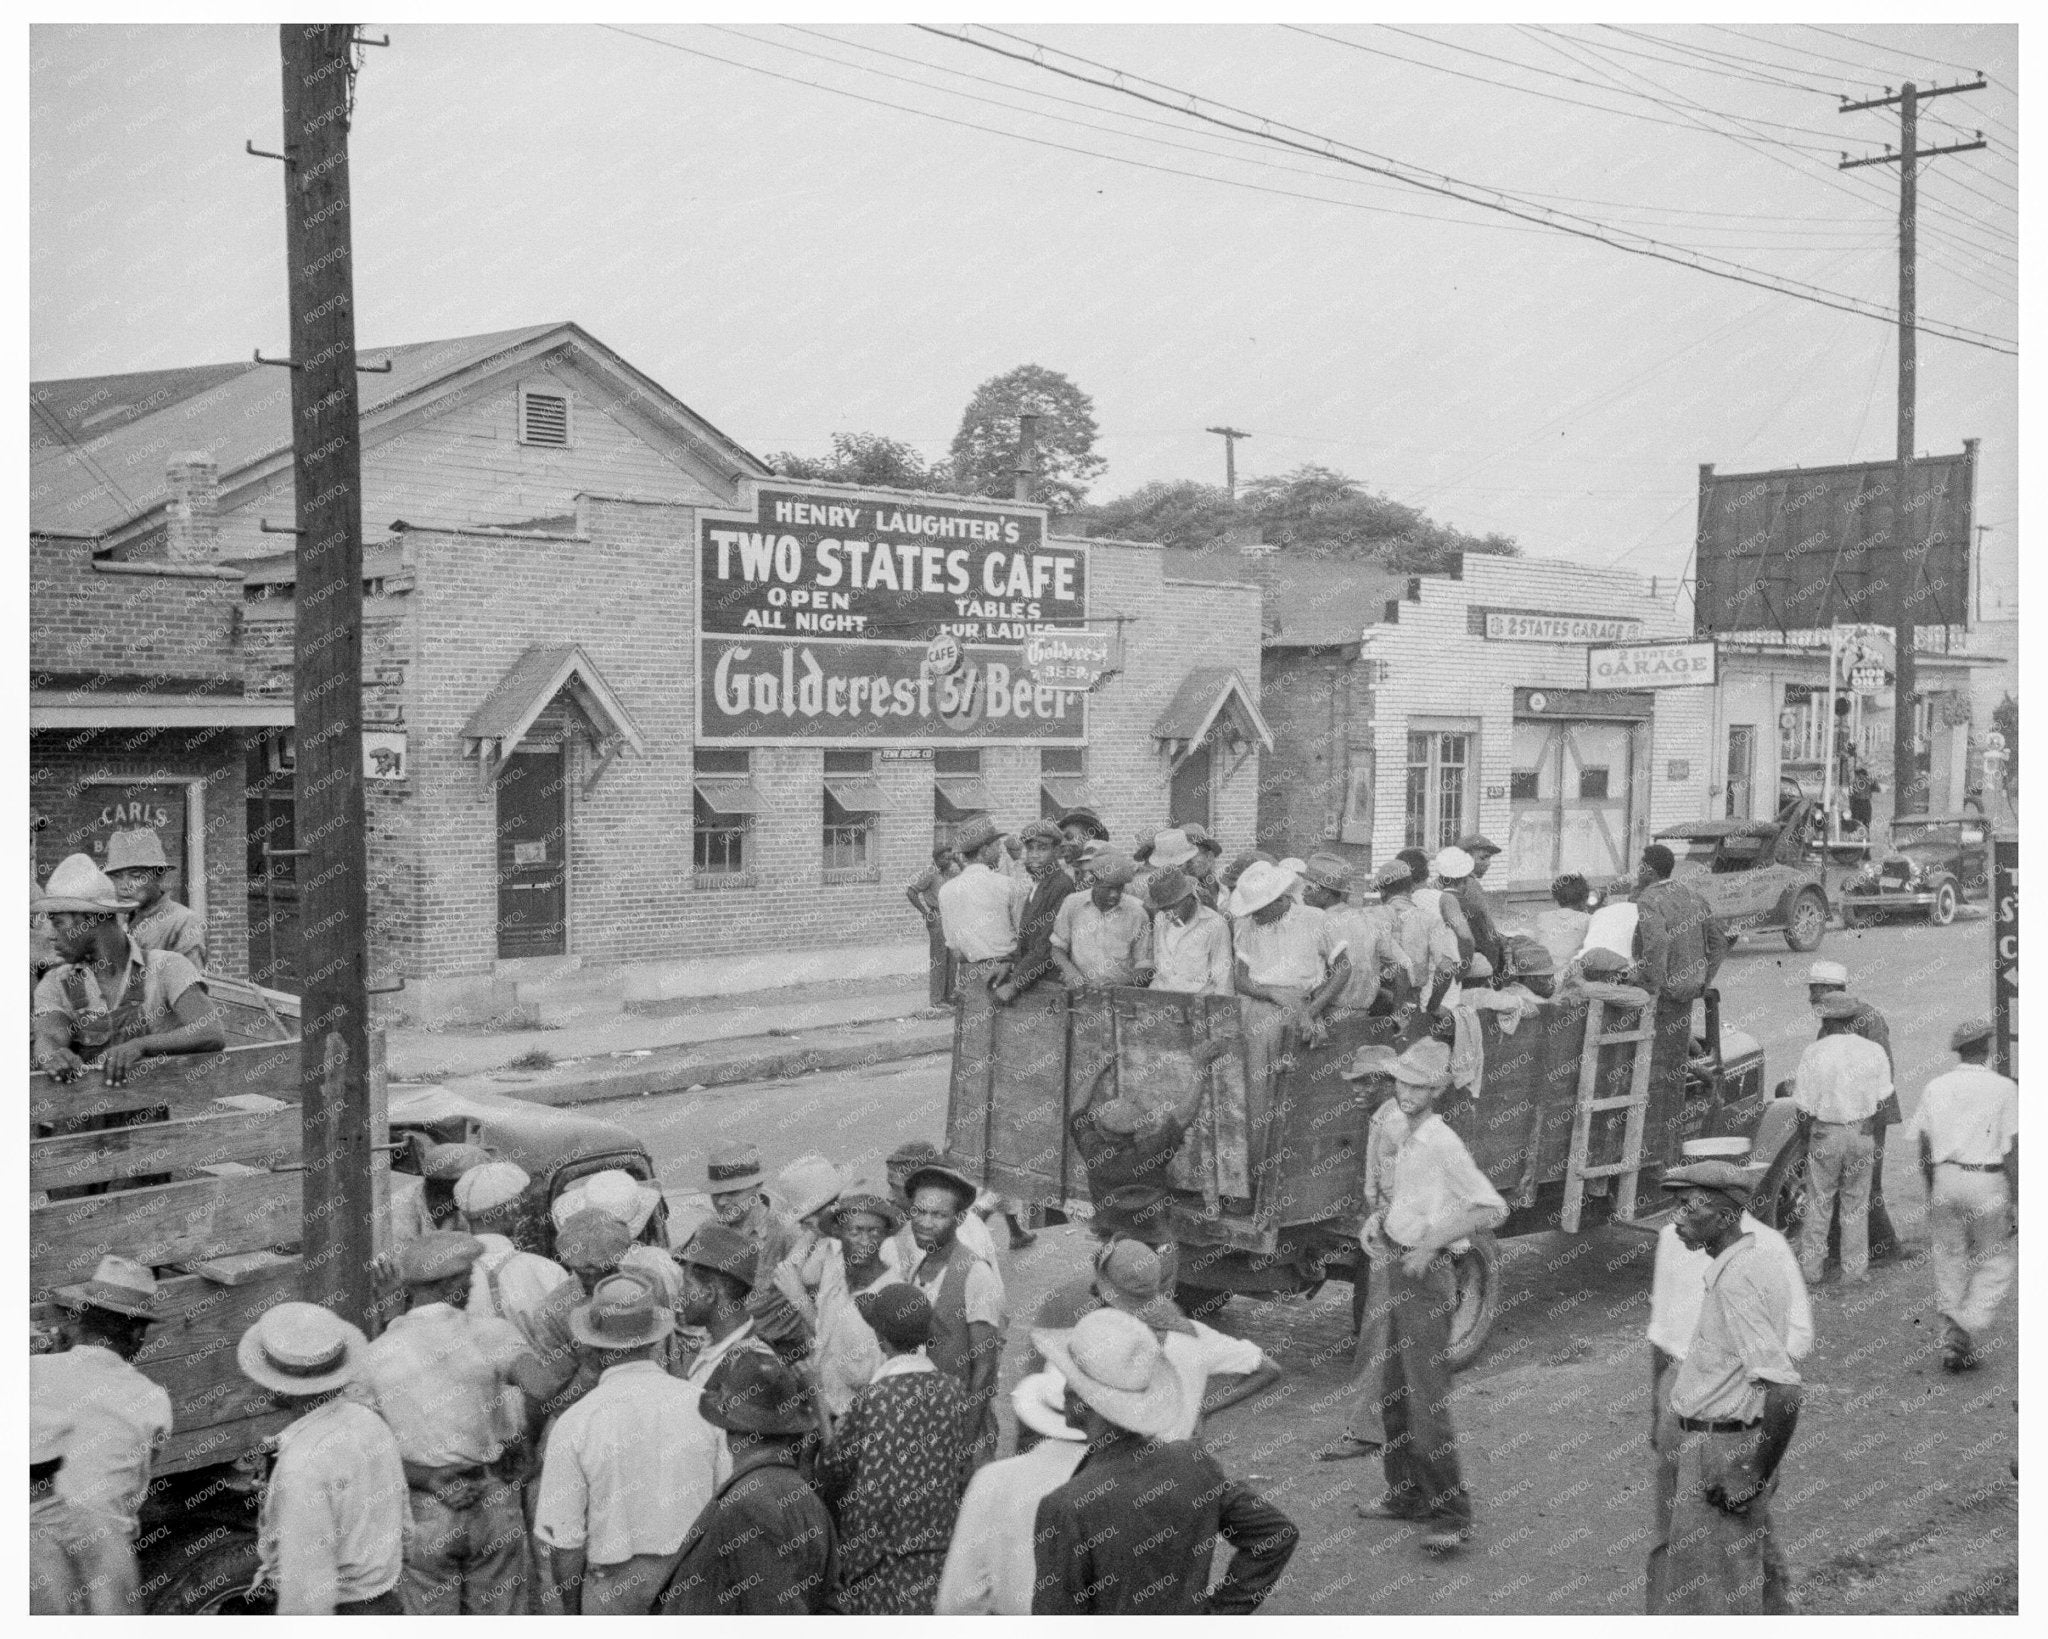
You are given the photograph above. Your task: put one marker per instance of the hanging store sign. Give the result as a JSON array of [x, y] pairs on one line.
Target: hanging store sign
[[2005, 952], [1651, 666], [1067, 660], [1538, 626]]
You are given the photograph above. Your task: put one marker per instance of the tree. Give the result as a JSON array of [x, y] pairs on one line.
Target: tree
[[1177, 513], [984, 455], [871, 460]]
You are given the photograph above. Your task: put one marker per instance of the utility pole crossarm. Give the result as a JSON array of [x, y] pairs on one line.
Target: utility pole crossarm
[[1230, 436], [1891, 98], [1890, 158]]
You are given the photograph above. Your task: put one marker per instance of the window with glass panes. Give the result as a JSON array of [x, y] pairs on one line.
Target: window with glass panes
[[850, 843], [720, 839], [1439, 787]]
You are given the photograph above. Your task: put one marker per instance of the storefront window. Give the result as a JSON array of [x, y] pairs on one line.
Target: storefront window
[[1440, 770], [851, 847], [720, 842]]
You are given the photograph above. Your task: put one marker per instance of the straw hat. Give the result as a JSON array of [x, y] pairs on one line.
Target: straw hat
[[621, 1314], [808, 1183], [119, 1285], [1173, 847], [1260, 885], [77, 884], [490, 1187], [1040, 1402], [1734, 1150], [1426, 1064], [1828, 973], [135, 851], [300, 1349], [612, 1191], [1115, 1364]]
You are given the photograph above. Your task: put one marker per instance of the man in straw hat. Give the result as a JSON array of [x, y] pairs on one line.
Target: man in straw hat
[[331, 1531], [1102, 936], [764, 1545], [977, 911], [991, 1563], [1037, 915], [1134, 1531], [629, 1467], [1437, 1199], [119, 1418], [1291, 965], [1191, 948], [1967, 1135], [1825, 979], [1678, 1287], [805, 1190], [1842, 1081], [137, 867], [1735, 1398], [111, 1002], [969, 1308], [590, 1245], [440, 1376]]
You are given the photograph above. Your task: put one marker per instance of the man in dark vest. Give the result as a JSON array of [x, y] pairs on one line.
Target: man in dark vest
[[966, 1295]]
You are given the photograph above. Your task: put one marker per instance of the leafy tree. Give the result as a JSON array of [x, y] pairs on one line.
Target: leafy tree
[[869, 459], [984, 455], [1177, 513]]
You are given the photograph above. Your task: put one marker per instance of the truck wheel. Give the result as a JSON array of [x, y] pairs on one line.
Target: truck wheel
[[1808, 921], [1478, 1275], [1780, 1201], [207, 1576], [1943, 910]]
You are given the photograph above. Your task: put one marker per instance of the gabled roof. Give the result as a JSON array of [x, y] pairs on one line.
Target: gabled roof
[[1205, 695], [1313, 600], [534, 679], [98, 444]]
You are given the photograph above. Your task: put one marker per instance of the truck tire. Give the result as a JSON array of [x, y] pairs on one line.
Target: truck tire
[[1478, 1274], [1780, 1200], [208, 1575], [1807, 921], [1943, 910]]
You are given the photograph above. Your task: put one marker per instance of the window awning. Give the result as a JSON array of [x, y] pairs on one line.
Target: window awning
[[857, 794], [1067, 791], [960, 797], [1211, 703], [730, 794], [89, 709], [496, 728]]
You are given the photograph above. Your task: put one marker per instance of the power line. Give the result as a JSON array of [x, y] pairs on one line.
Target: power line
[[1875, 45], [1714, 61]]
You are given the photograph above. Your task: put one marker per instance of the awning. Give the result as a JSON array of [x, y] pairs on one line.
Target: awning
[[857, 795], [496, 727], [958, 798], [90, 709], [1209, 701], [1067, 791], [730, 794]]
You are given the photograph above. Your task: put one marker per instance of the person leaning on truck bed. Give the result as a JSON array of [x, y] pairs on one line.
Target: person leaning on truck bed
[[1038, 914], [1680, 939], [1190, 941]]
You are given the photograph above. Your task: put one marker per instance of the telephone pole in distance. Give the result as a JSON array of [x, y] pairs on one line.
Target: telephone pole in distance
[[1230, 436]]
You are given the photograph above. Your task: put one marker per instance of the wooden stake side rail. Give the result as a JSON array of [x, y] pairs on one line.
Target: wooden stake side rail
[[186, 1084], [265, 1140]]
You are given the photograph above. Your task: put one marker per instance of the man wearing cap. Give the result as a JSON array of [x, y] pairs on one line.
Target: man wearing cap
[[330, 1535], [136, 866], [629, 1466], [1679, 937], [1371, 949], [990, 1564], [965, 1293], [1678, 1287], [972, 1230], [893, 1471], [1425, 938], [1133, 1532], [439, 1375], [1825, 979], [111, 1002], [1967, 1135], [119, 1418], [1437, 1199], [77, 1566], [1475, 901], [1101, 936], [1191, 948], [507, 1281], [1735, 1398], [1841, 1081], [977, 909], [1038, 915], [590, 1246]]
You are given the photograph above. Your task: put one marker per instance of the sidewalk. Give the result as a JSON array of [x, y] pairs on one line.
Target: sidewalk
[[718, 1041]]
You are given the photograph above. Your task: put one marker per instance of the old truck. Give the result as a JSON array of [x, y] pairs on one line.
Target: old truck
[[204, 1186], [1579, 1106]]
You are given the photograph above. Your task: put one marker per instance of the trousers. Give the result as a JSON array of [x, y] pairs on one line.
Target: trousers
[[470, 1561], [1969, 1221], [1838, 1167], [1664, 1445], [628, 1588], [387, 1603], [1421, 1453], [1367, 1422], [1717, 1563]]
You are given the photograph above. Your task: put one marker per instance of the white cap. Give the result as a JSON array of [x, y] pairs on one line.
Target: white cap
[[490, 1186], [1452, 863], [1827, 973]]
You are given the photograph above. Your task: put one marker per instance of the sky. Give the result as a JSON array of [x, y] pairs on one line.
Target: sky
[[825, 227]]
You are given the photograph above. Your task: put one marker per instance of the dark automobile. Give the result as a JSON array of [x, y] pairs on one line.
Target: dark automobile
[[1934, 863]]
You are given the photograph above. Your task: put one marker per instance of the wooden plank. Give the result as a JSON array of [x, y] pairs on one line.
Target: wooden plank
[[186, 1084], [188, 1449], [166, 1146], [202, 1318]]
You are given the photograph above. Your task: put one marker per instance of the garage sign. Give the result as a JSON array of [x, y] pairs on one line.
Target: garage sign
[[1651, 666]]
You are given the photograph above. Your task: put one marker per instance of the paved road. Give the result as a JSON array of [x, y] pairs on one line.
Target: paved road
[[1895, 1493]]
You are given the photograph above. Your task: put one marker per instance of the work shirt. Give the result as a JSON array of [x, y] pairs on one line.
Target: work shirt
[[1196, 958], [1477, 905], [629, 1467], [990, 1565], [976, 914], [971, 1231], [1678, 1286], [1563, 933], [1384, 1136], [1369, 940], [1682, 941], [168, 925], [119, 1420], [141, 1002], [509, 1284], [1109, 947], [1116, 1161], [1423, 935], [1133, 1533], [1870, 1024], [1198, 1355], [436, 1375], [982, 1297], [1434, 1179], [332, 1525], [1743, 1339], [1293, 953], [1971, 1114], [764, 1546], [1613, 927], [1841, 1078]]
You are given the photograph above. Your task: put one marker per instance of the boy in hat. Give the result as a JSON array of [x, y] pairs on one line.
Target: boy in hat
[[977, 913], [111, 1002], [1841, 1081], [1437, 1198], [629, 1467], [990, 1563], [764, 1545], [1038, 913], [1735, 1398], [965, 1293], [1967, 1133], [1826, 979], [137, 867], [1191, 946], [1133, 1533], [1103, 937], [331, 1530]]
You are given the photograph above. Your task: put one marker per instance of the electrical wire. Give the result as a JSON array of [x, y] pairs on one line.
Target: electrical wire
[[1709, 61]]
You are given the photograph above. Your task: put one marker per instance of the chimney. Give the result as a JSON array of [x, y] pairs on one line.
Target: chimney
[[192, 515], [1245, 538]]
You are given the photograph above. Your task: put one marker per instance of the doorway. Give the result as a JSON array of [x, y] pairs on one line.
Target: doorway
[[1188, 800], [1574, 804], [1741, 770], [533, 853]]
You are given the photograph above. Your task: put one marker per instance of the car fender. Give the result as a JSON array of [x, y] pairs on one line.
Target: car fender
[[1777, 1124]]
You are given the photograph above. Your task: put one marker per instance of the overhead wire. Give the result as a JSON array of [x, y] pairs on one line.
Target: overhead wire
[[1706, 60]]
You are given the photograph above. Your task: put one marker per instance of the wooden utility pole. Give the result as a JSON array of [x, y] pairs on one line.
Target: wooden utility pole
[[334, 1065], [1027, 456], [1230, 436], [1909, 791]]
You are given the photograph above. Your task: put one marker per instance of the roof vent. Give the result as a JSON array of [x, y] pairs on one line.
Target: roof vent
[[543, 418]]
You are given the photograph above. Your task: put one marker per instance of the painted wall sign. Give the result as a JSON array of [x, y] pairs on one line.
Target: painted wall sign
[[1651, 666], [1067, 660], [384, 754], [2005, 951], [1536, 626]]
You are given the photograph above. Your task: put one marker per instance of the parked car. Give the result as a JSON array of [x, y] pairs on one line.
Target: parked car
[[1935, 863], [1758, 875]]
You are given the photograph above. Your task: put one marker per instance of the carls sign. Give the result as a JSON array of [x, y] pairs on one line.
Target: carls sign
[[1067, 660], [1651, 666]]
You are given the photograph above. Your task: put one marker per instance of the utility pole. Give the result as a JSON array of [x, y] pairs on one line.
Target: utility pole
[[1909, 794], [334, 1062], [1230, 436], [1027, 455]]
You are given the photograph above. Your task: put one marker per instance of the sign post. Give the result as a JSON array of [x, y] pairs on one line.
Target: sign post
[[2005, 953]]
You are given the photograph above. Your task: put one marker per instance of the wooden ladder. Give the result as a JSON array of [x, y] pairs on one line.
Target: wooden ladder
[[1636, 1102]]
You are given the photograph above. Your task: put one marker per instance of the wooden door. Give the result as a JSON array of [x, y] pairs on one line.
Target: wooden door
[[1189, 798], [533, 853]]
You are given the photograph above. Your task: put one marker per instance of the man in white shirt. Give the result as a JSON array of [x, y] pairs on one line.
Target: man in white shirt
[[1966, 1131], [1290, 964], [1102, 935], [977, 908], [992, 1562], [1841, 1080], [630, 1465], [1190, 942], [507, 1282]]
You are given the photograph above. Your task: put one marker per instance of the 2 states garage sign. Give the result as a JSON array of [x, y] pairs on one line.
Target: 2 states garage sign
[[820, 619]]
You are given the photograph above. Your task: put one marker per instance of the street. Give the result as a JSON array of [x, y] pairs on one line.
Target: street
[[1896, 1493]]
